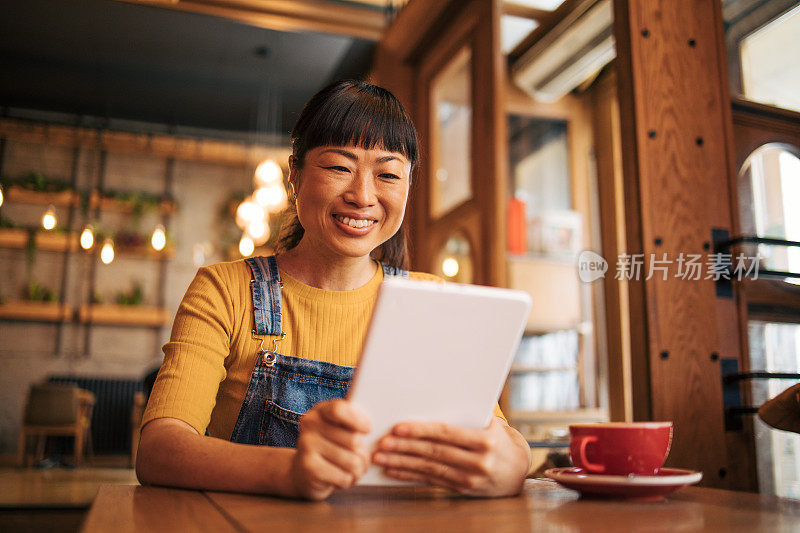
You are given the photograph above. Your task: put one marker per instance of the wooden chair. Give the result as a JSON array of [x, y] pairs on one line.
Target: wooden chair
[[56, 410], [137, 412]]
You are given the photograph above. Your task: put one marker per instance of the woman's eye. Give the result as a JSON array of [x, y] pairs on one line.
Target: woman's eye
[[337, 168], [390, 176]]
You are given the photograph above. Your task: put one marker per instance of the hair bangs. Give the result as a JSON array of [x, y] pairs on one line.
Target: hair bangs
[[359, 114]]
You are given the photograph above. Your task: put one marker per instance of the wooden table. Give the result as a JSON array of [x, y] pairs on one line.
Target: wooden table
[[543, 506]]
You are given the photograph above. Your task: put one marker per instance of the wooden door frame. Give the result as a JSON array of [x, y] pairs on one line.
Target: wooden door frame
[[415, 39], [464, 217]]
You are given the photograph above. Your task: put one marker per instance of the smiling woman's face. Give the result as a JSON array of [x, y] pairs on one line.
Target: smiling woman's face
[[350, 200]]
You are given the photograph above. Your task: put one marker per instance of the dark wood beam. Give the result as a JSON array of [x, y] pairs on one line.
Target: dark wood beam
[[521, 10], [285, 15]]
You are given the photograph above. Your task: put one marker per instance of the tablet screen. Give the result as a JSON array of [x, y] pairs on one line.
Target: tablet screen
[[436, 352]]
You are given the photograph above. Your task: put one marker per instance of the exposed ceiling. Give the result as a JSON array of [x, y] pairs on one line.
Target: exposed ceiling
[[113, 59]]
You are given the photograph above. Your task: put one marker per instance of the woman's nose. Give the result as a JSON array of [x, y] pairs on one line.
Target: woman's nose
[[361, 191]]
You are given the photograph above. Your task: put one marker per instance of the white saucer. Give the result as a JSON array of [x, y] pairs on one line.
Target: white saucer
[[649, 487]]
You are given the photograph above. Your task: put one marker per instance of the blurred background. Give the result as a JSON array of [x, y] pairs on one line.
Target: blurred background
[[142, 139]]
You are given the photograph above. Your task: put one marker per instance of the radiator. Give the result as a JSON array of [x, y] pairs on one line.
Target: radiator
[[111, 419]]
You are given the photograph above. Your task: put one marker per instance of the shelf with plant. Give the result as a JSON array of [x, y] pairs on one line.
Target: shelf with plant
[[131, 244], [136, 203], [38, 304], [34, 188], [17, 236], [127, 311]]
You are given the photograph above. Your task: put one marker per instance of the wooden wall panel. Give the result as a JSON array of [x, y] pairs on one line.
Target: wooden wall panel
[[608, 150], [676, 138]]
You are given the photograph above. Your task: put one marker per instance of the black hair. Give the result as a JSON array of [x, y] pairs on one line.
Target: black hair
[[358, 113]]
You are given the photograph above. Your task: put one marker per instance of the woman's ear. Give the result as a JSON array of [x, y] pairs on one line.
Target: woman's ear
[[292, 179], [294, 171]]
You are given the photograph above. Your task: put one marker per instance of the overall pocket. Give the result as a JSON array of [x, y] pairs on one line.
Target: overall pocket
[[280, 427], [280, 393]]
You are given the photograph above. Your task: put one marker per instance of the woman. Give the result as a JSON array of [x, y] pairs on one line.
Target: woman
[[258, 343]]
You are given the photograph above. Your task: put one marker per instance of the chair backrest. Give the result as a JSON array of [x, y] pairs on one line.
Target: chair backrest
[[52, 405]]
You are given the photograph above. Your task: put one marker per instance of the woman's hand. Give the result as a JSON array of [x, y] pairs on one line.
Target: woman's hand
[[330, 449], [489, 462]]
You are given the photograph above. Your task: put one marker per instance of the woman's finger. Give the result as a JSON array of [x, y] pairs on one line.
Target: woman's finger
[[345, 414], [471, 439], [350, 462], [342, 437], [325, 472], [423, 466], [436, 451]]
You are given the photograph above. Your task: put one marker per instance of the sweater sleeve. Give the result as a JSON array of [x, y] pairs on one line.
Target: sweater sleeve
[[194, 357]]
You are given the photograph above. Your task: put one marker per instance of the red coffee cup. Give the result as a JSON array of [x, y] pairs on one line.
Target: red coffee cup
[[620, 448]]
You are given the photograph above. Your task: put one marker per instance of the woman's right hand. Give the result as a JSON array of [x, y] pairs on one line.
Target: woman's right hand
[[330, 449]]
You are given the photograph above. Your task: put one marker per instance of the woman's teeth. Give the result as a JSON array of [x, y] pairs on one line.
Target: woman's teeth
[[354, 222]]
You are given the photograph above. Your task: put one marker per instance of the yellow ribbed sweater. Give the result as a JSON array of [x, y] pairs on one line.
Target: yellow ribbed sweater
[[211, 353]]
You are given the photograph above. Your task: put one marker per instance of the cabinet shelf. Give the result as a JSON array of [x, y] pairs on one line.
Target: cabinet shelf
[[21, 195], [123, 315], [577, 416], [534, 369], [554, 285], [35, 311], [45, 240]]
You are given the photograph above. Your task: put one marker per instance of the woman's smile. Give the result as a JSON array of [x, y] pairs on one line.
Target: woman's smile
[[355, 222]]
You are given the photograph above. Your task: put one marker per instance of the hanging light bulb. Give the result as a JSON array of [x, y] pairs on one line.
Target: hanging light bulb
[[87, 237], [276, 196], [248, 211], [272, 198], [49, 218], [159, 238], [262, 196], [267, 173], [450, 267], [258, 231], [246, 246], [107, 252]]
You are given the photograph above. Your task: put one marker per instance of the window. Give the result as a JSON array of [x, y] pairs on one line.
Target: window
[[759, 36], [451, 98], [769, 74], [775, 348], [772, 173]]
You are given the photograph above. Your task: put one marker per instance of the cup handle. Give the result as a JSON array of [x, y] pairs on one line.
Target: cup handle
[[595, 468]]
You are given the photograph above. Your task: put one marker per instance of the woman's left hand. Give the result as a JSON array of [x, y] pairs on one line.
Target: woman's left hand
[[489, 462]]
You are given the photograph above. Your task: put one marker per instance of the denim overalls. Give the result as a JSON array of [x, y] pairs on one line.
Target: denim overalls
[[283, 388]]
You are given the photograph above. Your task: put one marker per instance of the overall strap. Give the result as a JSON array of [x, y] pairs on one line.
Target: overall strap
[[389, 270], [266, 289]]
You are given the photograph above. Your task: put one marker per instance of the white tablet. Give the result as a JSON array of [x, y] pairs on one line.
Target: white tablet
[[436, 352]]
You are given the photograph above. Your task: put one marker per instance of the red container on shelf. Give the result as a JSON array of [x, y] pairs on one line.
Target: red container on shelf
[[516, 226]]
